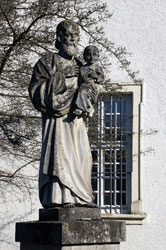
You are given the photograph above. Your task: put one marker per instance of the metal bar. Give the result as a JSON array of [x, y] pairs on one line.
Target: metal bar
[[111, 97], [102, 154], [100, 131], [115, 153], [121, 145]]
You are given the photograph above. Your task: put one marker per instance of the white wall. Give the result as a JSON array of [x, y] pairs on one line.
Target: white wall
[[140, 25]]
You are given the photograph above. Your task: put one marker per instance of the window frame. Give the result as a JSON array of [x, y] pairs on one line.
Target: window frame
[[136, 90]]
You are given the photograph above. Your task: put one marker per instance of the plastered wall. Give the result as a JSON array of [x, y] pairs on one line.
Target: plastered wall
[[140, 26]]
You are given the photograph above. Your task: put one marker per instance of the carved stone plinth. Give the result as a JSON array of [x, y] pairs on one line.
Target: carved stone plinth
[[63, 214], [69, 233]]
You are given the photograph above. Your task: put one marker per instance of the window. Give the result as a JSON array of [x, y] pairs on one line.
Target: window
[[114, 133], [111, 174]]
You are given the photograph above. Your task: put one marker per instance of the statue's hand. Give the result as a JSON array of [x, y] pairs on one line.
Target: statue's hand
[[71, 71]]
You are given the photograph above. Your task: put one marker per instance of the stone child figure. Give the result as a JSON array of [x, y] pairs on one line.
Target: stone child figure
[[65, 164], [91, 77]]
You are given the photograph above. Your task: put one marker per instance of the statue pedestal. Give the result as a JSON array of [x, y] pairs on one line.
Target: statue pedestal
[[70, 229]]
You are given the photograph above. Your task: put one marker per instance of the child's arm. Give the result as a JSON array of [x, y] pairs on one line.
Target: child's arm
[[100, 75]]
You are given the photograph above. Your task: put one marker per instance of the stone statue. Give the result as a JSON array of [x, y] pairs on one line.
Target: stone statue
[[91, 77], [65, 164]]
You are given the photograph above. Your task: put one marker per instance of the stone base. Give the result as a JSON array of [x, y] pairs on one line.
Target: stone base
[[70, 229], [63, 214], [70, 233]]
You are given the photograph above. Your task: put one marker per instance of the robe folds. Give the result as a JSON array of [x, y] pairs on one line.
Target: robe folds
[[65, 164]]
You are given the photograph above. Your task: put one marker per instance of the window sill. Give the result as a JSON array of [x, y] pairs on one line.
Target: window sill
[[130, 219]]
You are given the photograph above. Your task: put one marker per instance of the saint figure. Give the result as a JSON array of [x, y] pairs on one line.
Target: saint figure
[[65, 164]]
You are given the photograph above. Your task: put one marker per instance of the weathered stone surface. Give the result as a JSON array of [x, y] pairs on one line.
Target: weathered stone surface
[[80, 247], [71, 232], [63, 214], [65, 150]]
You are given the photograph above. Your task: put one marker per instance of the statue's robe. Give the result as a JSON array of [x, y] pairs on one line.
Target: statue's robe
[[65, 165]]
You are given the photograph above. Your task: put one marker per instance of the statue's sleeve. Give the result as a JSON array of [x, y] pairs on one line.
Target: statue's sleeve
[[48, 90]]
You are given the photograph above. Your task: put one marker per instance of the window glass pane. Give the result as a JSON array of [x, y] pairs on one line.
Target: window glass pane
[[107, 199], [123, 167], [118, 122], [124, 106], [123, 122], [107, 106], [113, 132], [107, 120], [124, 198], [113, 199], [118, 156], [107, 132], [118, 106], [123, 156], [113, 154], [118, 184], [113, 107], [94, 184], [94, 170], [123, 184], [117, 167], [123, 136], [118, 134], [113, 184], [118, 199], [113, 120], [95, 155], [107, 184], [107, 155], [107, 170]]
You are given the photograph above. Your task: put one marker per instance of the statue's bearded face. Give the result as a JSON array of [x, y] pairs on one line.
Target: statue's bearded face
[[69, 41]]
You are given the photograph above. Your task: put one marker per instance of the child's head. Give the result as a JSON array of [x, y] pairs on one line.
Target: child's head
[[91, 54]]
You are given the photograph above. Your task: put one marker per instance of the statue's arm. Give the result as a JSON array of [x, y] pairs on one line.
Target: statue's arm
[[100, 74], [47, 89]]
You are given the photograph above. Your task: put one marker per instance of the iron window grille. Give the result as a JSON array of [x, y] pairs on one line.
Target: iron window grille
[[110, 133]]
